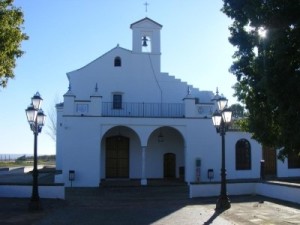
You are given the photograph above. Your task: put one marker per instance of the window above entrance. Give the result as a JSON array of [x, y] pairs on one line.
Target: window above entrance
[[117, 101]]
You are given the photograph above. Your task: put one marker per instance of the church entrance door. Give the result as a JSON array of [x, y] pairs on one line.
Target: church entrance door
[[169, 165], [117, 157]]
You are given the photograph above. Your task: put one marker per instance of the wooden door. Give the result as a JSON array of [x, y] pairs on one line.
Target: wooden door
[[117, 157], [269, 155], [169, 165]]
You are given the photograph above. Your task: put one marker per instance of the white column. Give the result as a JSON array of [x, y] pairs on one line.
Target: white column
[[144, 179], [187, 169]]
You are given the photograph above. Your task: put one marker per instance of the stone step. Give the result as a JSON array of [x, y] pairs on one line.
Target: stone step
[[137, 182]]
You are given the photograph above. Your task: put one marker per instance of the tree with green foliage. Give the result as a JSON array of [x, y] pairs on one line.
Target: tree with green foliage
[[11, 36], [266, 64], [237, 111]]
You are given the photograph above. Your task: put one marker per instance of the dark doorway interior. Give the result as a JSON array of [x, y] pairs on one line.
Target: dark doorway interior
[[169, 165], [117, 157]]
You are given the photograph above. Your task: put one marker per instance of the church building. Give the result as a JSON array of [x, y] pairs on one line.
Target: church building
[[122, 118]]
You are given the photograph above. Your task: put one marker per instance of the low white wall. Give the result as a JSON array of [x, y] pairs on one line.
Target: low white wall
[[286, 193], [24, 191], [282, 192], [284, 171], [12, 170], [19, 170]]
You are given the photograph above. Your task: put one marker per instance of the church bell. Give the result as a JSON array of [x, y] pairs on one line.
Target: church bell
[[144, 39]]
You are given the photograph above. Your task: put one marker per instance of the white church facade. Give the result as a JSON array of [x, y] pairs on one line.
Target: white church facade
[[122, 118]]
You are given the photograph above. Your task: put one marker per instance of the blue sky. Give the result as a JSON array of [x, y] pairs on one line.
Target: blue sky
[[67, 34]]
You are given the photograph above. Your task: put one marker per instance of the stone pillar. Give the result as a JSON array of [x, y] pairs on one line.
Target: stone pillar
[[187, 169], [69, 105], [96, 103], [144, 179], [189, 106]]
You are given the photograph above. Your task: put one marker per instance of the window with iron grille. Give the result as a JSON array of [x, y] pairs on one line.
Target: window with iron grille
[[117, 101]]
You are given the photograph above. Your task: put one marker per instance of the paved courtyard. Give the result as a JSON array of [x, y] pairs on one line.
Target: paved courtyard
[[146, 205]]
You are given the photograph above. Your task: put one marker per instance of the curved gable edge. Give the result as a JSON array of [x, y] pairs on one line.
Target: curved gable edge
[[69, 74]]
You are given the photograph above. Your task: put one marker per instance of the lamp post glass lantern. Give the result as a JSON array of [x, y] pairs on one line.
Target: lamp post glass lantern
[[36, 120], [221, 118]]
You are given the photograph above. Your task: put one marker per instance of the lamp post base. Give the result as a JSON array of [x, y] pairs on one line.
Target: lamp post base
[[223, 203], [35, 205]]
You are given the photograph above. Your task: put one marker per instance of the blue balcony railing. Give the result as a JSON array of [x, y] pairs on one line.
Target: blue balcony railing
[[166, 110]]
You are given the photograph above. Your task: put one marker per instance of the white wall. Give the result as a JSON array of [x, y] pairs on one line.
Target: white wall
[[59, 138], [81, 151], [205, 143], [137, 78], [135, 67], [287, 192], [284, 171], [200, 143], [231, 139], [84, 137]]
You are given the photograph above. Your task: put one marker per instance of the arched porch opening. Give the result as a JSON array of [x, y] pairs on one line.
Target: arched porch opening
[[165, 154], [120, 156]]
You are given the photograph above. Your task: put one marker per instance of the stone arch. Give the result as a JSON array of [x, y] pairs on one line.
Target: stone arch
[[166, 132]]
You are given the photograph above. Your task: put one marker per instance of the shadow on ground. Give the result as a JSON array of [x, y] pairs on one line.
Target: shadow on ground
[[124, 205]]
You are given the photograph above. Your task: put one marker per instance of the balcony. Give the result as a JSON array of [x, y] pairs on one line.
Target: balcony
[[151, 110]]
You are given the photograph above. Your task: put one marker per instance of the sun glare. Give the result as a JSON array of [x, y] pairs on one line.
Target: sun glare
[[248, 28]]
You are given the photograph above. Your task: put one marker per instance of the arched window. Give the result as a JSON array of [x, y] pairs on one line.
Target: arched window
[[118, 61], [243, 155]]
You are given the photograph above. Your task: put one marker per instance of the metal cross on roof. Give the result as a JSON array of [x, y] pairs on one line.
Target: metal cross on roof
[[146, 6]]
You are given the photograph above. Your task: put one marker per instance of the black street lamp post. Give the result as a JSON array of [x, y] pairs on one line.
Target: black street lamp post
[[36, 120], [221, 119]]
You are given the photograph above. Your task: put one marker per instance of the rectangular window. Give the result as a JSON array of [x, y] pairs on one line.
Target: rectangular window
[[117, 101]]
